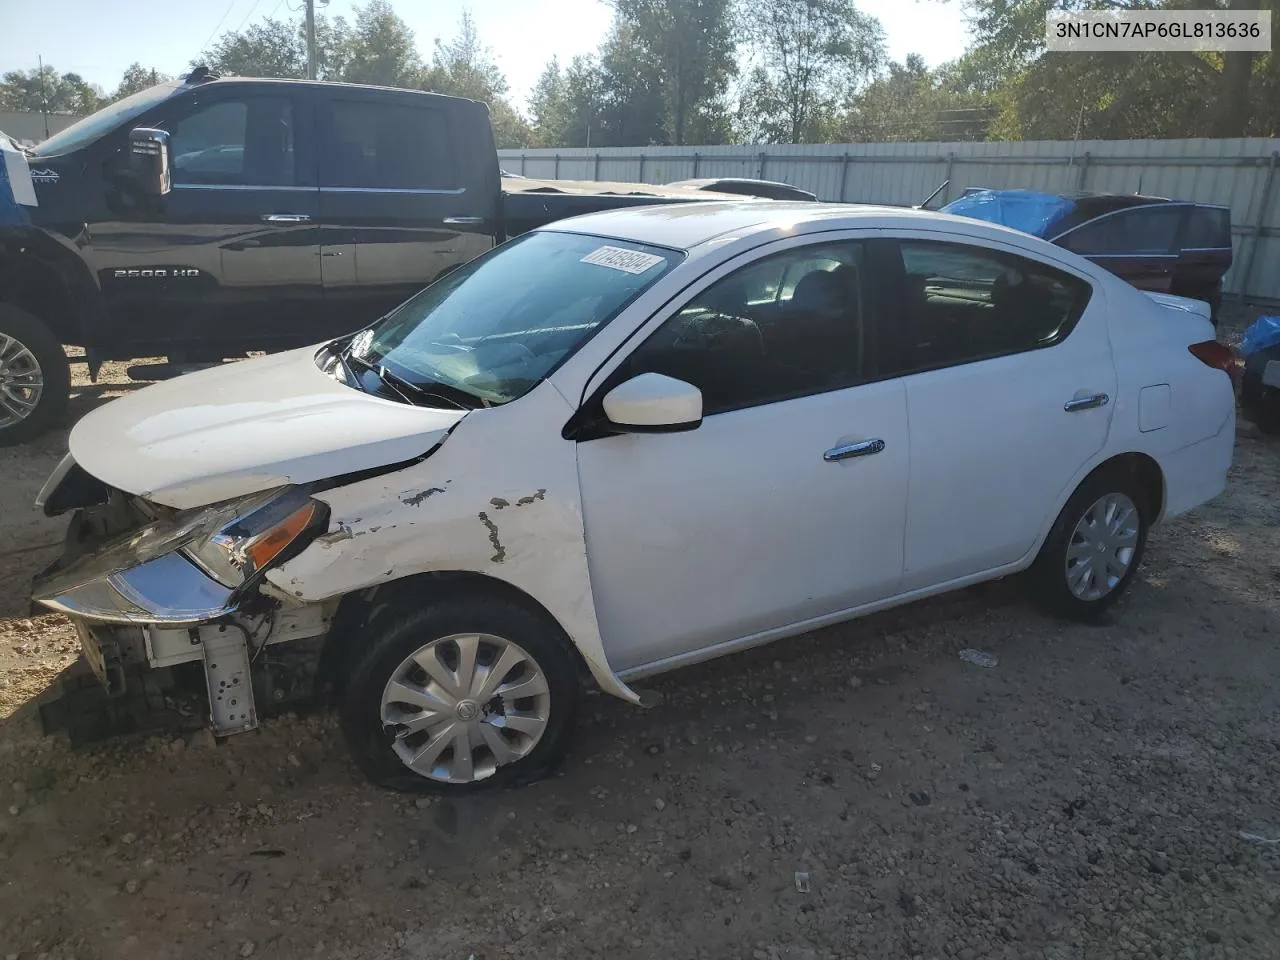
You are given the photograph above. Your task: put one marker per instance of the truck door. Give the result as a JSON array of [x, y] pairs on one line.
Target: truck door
[[229, 260], [407, 191]]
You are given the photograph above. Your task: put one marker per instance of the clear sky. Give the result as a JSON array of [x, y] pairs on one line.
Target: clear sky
[[99, 38]]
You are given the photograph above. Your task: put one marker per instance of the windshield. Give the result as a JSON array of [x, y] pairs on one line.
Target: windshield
[[497, 326], [96, 124]]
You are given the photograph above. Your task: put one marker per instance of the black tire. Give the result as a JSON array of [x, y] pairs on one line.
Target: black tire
[[399, 631], [1049, 573], [44, 346]]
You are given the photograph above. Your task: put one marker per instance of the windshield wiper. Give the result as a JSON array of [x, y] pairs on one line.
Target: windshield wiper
[[407, 391]]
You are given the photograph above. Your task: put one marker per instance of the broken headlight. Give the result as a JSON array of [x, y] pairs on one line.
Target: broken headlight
[[259, 535]]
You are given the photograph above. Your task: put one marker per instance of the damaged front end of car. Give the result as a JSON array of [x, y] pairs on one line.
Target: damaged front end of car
[[149, 587]]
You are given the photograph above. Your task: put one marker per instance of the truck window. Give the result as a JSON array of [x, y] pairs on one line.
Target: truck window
[[388, 146], [245, 142]]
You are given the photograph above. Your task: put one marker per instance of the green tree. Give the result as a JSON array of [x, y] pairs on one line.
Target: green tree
[[690, 44], [381, 49], [549, 107], [1166, 94], [808, 55], [629, 109], [911, 102], [464, 67], [137, 78], [39, 90], [271, 48]]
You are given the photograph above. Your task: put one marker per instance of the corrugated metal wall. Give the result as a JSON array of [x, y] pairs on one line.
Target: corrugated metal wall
[[28, 127], [1239, 173]]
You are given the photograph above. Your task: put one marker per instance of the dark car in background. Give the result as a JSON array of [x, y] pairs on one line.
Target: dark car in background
[[1169, 246]]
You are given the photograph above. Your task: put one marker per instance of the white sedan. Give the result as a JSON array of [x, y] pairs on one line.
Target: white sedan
[[628, 442]]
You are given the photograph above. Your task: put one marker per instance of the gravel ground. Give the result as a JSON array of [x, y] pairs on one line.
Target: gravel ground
[[859, 792]]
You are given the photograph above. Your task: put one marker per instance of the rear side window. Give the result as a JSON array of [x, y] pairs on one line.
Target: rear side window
[[388, 146], [1208, 228], [1142, 231], [965, 303]]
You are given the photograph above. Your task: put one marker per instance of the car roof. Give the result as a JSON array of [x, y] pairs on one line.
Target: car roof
[[685, 226]]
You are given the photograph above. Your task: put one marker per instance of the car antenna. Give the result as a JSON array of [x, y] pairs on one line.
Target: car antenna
[[942, 186]]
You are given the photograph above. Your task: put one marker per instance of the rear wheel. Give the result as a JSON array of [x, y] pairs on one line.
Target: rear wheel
[[463, 693], [35, 378], [1094, 549]]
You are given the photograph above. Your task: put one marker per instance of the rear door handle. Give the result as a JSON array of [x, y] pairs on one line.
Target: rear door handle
[[846, 451], [286, 218], [1086, 403], [460, 221]]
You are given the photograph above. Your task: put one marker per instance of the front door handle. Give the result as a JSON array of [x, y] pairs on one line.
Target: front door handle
[[286, 218], [460, 221], [863, 448], [1086, 403]]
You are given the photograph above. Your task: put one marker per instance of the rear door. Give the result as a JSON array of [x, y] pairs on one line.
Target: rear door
[[229, 259], [408, 190], [1206, 251], [1139, 244], [1010, 387]]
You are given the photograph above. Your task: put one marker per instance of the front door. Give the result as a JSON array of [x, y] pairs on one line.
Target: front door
[[787, 504], [1011, 386], [393, 204], [229, 259]]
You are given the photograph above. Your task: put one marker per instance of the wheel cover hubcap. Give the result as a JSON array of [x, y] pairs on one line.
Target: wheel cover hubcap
[[1102, 546], [460, 707], [21, 381]]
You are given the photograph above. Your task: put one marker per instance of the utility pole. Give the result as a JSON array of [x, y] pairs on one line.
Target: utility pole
[[44, 96], [311, 39]]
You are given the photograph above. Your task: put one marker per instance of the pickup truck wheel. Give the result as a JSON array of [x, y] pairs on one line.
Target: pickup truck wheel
[[35, 378], [463, 693]]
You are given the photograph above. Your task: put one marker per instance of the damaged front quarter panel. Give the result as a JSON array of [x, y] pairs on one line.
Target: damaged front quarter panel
[[495, 499]]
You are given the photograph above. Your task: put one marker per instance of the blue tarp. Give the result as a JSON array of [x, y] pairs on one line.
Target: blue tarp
[[1262, 333], [1023, 210]]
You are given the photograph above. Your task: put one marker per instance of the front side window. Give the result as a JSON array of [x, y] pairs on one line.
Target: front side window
[[787, 326], [388, 146], [1142, 231], [963, 303], [234, 142], [495, 327]]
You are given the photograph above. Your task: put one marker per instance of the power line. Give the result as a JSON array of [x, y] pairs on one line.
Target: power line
[[215, 27], [247, 16]]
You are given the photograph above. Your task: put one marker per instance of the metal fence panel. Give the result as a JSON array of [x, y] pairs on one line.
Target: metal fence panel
[[1238, 173]]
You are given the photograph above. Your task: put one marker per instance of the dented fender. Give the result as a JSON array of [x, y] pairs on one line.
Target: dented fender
[[495, 499]]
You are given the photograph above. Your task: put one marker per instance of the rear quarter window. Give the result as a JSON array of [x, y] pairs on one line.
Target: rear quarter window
[[1208, 228]]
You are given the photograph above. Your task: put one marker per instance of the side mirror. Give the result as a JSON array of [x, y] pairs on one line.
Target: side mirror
[[654, 403], [150, 161]]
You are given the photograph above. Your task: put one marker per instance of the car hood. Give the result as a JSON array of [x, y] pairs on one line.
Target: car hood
[[248, 426]]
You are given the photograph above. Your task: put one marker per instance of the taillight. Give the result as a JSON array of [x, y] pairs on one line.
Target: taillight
[[1219, 356]]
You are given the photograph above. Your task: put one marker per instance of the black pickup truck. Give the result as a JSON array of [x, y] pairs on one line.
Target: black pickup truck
[[208, 217]]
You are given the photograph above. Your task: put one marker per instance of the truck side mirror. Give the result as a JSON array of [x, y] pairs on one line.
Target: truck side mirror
[[150, 160]]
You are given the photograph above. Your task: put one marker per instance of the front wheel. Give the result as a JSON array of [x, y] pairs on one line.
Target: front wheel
[[1094, 548], [35, 378], [459, 694]]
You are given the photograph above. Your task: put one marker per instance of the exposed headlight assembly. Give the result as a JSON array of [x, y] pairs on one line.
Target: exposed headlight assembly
[[186, 568], [239, 550]]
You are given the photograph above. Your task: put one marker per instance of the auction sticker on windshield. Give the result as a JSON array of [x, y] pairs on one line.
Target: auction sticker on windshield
[[616, 258]]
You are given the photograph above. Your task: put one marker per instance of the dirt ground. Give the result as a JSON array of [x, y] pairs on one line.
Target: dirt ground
[[1104, 791]]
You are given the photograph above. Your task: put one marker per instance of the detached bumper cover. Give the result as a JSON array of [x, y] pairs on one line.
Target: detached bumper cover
[[167, 590]]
